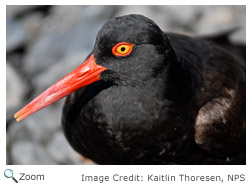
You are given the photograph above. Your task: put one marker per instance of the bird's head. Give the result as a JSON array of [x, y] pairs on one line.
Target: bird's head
[[128, 50], [132, 48]]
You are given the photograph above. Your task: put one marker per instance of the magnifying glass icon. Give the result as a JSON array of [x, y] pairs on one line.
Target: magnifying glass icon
[[8, 173]]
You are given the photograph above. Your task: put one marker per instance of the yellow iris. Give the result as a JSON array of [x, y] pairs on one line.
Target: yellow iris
[[123, 49]]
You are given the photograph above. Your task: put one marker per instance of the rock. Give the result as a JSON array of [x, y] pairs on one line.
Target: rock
[[240, 35], [32, 135], [136, 9], [38, 127], [60, 150], [217, 19], [77, 13], [16, 10], [40, 135], [31, 24], [15, 90], [18, 132], [24, 153], [15, 34]]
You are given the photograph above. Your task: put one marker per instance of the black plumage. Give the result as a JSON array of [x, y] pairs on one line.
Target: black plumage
[[173, 100]]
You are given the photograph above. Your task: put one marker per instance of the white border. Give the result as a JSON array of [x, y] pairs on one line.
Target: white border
[[71, 175]]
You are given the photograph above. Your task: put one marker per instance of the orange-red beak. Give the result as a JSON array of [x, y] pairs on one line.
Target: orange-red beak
[[85, 74]]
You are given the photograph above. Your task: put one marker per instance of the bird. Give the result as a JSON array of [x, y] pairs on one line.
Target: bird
[[144, 96]]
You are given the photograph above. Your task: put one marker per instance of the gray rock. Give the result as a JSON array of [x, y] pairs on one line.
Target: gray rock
[[24, 152], [32, 135], [40, 135], [218, 18], [15, 10], [38, 127], [15, 34], [136, 9], [18, 132], [31, 24], [15, 90], [77, 13], [240, 35]]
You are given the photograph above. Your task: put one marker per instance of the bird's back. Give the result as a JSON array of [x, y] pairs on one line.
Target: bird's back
[[220, 86]]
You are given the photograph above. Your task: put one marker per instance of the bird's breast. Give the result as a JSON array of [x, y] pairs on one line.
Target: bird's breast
[[126, 121], [128, 108]]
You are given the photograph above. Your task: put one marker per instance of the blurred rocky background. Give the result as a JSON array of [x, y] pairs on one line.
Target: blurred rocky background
[[44, 43]]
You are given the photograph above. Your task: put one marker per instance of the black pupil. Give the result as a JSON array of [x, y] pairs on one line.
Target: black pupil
[[123, 49]]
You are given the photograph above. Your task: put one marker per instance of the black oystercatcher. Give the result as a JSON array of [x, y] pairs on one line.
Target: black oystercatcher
[[146, 97]]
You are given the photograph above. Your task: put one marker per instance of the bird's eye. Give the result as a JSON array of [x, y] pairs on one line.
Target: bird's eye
[[122, 49]]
